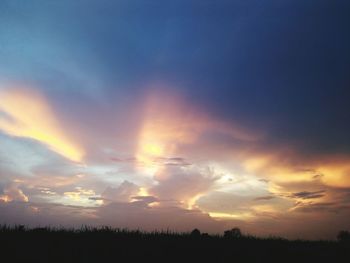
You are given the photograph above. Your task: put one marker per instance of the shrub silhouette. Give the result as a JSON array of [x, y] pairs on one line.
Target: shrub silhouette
[[205, 235], [344, 236], [233, 233]]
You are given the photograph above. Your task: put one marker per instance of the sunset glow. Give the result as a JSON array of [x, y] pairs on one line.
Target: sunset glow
[[157, 116]]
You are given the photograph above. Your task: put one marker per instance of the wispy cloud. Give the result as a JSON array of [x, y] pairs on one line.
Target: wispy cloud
[[28, 114]]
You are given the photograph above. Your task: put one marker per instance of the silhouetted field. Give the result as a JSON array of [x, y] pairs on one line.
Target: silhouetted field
[[19, 244]]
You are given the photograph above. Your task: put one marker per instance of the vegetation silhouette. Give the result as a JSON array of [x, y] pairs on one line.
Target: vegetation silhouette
[[233, 233], [195, 233], [106, 244], [344, 236]]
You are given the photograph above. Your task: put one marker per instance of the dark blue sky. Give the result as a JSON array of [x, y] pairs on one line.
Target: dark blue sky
[[282, 66]]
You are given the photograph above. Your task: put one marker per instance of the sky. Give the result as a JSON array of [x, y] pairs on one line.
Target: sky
[[176, 115]]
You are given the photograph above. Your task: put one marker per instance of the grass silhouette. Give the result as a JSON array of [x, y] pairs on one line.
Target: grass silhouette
[[105, 244]]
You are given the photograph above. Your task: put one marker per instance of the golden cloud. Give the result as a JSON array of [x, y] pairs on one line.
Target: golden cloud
[[28, 114]]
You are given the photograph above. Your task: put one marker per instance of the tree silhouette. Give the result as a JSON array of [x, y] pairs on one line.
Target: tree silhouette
[[195, 233], [344, 236], [233, 233]]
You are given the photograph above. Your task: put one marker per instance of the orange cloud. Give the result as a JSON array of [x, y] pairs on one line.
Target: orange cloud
[[331, 170], [336, 173], [28, 114], [166, 124], [13, 193], [170, 122]]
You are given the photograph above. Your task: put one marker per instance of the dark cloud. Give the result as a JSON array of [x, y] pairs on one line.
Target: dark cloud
[[267, 197], [331, 207], [308, 195], [97, 198], [264, 180]]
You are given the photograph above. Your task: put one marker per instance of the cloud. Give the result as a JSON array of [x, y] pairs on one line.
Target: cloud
[[231, 205], [172, 161], [312, 207], [308, 195], [37, 121], [139, 215], [145, 199], [335, 171], [80, 196], [208, 106], [182, 184], [123, 193], [13, 193], [267, 197], [45, 214], [135, 215], [54, 182], [170, 124]]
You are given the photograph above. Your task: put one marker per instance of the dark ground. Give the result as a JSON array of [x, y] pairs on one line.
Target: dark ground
[[109, 245]]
